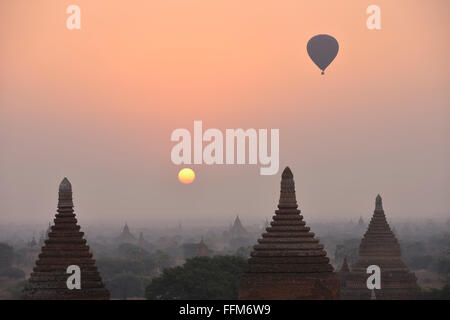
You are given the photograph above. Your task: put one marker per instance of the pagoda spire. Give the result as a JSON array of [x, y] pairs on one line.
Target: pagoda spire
[[65, 202], [345, 268], [379, 204], [287, 191]]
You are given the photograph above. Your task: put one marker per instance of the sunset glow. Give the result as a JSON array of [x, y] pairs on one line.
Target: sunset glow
[[319, 132], [186, 176], [101, 103]]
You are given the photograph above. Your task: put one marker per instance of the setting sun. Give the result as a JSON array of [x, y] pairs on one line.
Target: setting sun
[[186, 175]]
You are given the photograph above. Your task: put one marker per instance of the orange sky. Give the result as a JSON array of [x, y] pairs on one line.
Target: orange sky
[[98, 105]]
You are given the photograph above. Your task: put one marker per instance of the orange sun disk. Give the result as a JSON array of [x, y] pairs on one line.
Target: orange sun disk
[[186, 176]]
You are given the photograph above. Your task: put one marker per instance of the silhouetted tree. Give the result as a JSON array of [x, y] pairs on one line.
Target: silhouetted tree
[[125, 285], [6, 256], [189, 250], [441, 265], [438, 294], [199, 278], [12, 273]]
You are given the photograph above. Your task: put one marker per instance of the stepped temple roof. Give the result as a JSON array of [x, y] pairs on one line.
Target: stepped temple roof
[[288, 262], [380, 247], [65, 246]]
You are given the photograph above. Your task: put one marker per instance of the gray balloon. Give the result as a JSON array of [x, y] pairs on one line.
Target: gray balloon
[[322, 50]]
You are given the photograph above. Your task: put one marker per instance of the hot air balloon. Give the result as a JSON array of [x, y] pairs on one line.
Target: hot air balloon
[[322, 50]]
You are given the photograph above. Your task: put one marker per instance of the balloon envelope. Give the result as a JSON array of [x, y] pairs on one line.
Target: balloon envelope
[[322, 49]]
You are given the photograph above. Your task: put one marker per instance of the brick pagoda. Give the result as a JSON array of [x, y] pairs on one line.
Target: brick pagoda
[[380, 247], [65, 246], [288, 262]]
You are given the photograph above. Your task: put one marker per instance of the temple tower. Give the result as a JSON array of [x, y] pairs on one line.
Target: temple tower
[[344, 272], [361, 222], [126, 236], [202, 250], [141, 241], [344, 268], [380, 247], [288, 262], [64, 247], [237, 230]]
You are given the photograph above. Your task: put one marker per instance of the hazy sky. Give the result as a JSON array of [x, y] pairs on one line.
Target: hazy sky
[[98, 105]]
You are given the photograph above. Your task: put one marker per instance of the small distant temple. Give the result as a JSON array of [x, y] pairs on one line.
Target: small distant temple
[[202, 250], [288, 263], [344, 272], [32, 251], [237, 230], [64, 247], [126, 236], [32, 244], [380, 247], [344, 269], [141, 241]]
